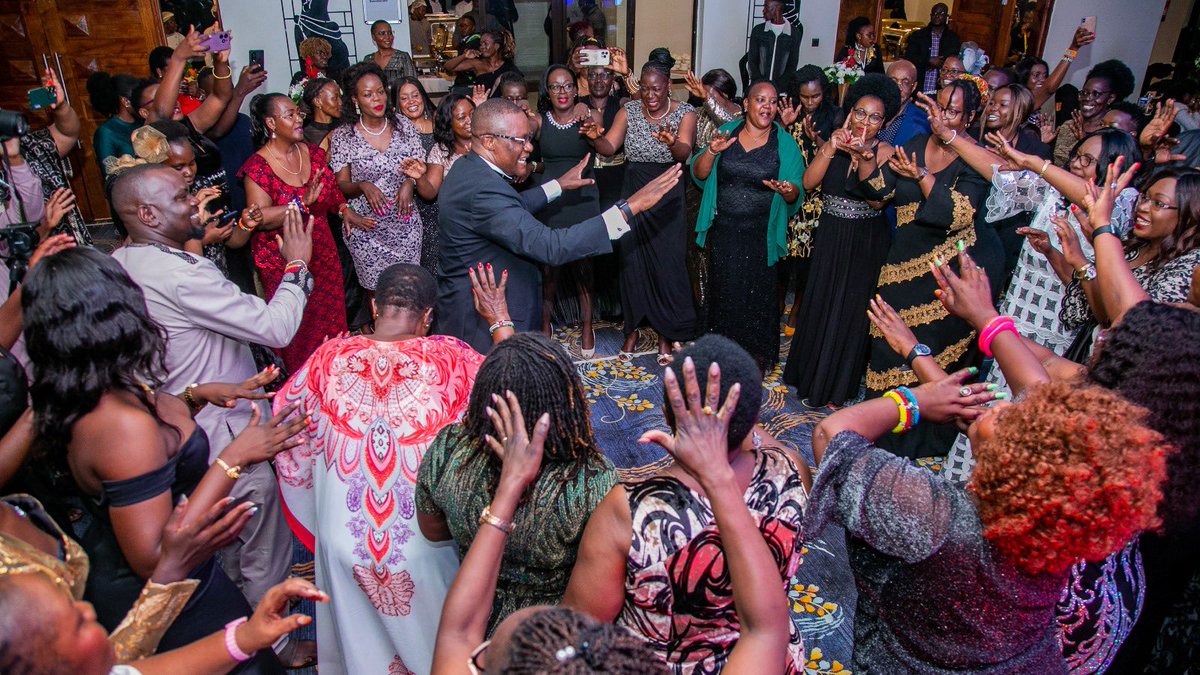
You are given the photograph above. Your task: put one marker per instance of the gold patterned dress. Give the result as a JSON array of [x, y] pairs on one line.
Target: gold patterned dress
[[925, 228]]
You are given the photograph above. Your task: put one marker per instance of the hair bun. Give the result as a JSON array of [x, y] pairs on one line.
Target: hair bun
[[662, 55]]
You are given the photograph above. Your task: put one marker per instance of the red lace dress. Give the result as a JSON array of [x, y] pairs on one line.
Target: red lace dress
[[325, 314]]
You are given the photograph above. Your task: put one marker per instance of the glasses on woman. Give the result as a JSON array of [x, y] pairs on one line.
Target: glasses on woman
[[861, 115], [1155, 203], [952, 72], [1084, 160], [294, 115], [561, 88]]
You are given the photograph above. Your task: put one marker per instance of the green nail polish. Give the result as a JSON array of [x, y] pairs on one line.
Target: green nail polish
[[973, 370], [1001, 395], [993, 387], [961, 246]]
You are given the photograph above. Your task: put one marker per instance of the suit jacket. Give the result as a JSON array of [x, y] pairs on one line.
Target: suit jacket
[[920, 42], [786, 50], [482, 219]]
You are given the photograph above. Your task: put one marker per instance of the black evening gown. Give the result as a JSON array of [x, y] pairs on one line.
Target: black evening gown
[[430, 235], [743, 300], [925, 228], [828, 355], [655, 286]]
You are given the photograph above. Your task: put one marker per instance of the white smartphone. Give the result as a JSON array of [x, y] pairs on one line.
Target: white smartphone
[[595, 57]]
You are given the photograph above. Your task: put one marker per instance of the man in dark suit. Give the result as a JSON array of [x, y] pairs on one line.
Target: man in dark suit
[[928, 47], [483, 220], [774, 50]]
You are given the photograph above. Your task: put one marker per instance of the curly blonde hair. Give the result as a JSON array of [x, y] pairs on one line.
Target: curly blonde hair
[[313, 46], [1072, 472]]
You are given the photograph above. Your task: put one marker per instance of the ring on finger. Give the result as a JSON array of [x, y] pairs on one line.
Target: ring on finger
[[965, 391], [504, 439], [707, 410]]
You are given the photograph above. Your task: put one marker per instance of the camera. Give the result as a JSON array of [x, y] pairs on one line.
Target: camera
[[22, 239], [12, 125]]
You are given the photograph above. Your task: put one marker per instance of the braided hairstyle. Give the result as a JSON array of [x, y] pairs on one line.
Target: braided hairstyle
[[660, 61], [262, 106], [544, 379], [561, 640], [972, 98]]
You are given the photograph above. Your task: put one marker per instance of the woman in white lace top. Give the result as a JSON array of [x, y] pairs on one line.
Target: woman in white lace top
[[1036, 293]]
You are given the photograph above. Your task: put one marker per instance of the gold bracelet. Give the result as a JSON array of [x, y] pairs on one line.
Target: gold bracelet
[[215, 75], [234, 472], [486, 518], [1042, 173], [189, 396]]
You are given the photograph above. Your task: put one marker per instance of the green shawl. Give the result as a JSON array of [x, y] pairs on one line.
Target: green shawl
[[791, 169]]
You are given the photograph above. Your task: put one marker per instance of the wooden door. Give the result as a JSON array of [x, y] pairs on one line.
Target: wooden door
[[872, 9], [77, 38], [983, 22]]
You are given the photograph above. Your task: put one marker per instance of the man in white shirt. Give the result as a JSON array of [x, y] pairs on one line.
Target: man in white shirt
[[209, 322]]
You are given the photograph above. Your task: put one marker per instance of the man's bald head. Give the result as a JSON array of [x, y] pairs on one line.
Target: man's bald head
[[155, 205], [904, 74], [496, 116]]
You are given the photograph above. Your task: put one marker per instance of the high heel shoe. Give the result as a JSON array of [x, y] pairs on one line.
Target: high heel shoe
[[588, 353]]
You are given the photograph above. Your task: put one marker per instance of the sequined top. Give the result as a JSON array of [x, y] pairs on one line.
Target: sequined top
[[142, 628], [640, 143], [548, 525], [934, 596]]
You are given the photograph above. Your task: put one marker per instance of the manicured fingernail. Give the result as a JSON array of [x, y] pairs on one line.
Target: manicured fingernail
[[253, 510], [972, 370], [229, 404], [488, 411], [1001, 395], [993, 387], [962, 246], [937, 293]]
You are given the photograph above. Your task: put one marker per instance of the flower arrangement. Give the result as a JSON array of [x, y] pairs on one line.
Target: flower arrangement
[[846, 71], [296, 91]]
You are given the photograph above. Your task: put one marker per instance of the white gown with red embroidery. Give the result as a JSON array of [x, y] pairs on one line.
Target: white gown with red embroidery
[[348, 492]]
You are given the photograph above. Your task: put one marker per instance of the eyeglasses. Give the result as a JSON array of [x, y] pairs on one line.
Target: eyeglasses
[[1084, 161], [294, 115], [561, 88], [1156, 204], [520, 140], [903, 82], [951, 113], [953, 72], [1091, 94], [873, 118]]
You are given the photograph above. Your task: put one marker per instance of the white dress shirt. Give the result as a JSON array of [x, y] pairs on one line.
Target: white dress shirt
[[614, 220]]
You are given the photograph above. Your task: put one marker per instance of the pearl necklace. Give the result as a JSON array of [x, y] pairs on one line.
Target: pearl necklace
[[382, 129], [555, 123]]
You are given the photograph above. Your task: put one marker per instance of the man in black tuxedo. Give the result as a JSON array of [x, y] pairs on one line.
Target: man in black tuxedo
[[483, 220]]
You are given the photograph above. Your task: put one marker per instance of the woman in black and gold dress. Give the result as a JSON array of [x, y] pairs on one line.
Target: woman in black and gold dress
[[936, 197]]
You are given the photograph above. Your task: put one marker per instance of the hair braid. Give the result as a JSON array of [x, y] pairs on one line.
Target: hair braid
[[561, 640]]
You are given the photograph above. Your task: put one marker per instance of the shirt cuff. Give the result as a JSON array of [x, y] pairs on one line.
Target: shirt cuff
[[552, 189], [615, 223]]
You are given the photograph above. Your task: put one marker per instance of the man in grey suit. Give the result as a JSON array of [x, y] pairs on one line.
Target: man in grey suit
[[484, 221]]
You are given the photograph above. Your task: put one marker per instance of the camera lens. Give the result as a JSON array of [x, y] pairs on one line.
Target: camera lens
[[12, 124]]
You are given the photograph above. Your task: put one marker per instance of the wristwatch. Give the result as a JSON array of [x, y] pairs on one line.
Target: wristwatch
[[917, 351], [921, 173], [1103, 229], [1085, 273]]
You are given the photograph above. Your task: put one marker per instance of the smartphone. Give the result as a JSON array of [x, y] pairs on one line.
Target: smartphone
[[257, 58], [1088, 23], [42, 97], [217, 42], [595, 57]]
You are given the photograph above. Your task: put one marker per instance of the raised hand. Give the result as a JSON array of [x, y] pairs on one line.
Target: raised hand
[[191, 47], [296, 241], [937, 124], [520, 454], [951, 397], [788, 112], [1082, 38], [59, 204], [490, 301], [215, 232], [226, 394], [375, 199], [1076, 124], [312, 191], [650, 194], [271, 620], [897, 334], [50, 79], [1156, 129], [188, 542], [205, 197], [1038, 240], [1014, 159], [479, 94], [967, 295], [261, 441], [904, 165], [250, 79], [700, 439], [413, 168], [720, 142], [810, 130], [788, 189], [666, 135], [1068, 240], [1100, 199], [693, 85], [620, 62], [573, 179], [1046, 131], [50, 246]]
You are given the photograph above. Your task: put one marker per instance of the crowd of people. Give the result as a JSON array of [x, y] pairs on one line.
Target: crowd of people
[[331, 321]]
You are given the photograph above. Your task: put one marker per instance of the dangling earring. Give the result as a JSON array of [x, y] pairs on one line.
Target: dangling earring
[[357, 110], [272, 134]]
